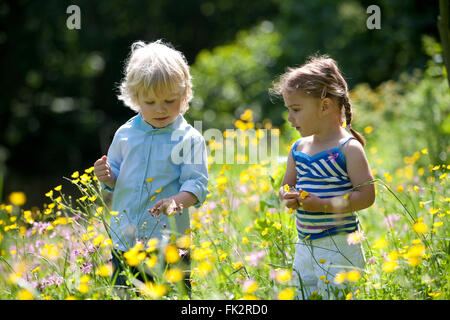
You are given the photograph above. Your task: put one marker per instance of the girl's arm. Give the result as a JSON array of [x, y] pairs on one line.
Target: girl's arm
[[359, 172], [290, 178]]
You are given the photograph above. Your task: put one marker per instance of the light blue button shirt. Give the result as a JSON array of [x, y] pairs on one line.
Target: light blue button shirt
[[174, 157]]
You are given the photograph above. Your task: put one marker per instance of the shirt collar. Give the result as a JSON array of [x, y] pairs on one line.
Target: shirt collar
[[144, 125]]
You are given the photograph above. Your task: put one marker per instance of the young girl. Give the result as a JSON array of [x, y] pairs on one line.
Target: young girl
[[140, 169], [325, 168]]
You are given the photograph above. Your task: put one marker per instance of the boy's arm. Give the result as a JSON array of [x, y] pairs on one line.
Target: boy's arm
[[194, 175], [114, 159], [359, 172], [185, 198]]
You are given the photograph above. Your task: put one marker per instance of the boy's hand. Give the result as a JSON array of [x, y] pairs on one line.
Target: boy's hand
[[167, 206], [103, 172]]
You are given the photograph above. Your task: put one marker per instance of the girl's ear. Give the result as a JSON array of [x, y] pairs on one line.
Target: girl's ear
[[326, 105]]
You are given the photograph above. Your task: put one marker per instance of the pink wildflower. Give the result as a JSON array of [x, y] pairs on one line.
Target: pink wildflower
[[355, 237]]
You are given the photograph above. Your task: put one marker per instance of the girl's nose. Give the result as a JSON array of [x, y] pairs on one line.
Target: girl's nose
[[290, 118]]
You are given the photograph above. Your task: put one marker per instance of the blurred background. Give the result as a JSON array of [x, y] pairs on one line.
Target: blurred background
[[59, 108]]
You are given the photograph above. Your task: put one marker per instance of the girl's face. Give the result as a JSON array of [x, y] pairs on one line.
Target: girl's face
[[304, 112], [160, 111]]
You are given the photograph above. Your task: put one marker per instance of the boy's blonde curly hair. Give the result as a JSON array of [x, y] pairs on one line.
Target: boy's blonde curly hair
[[155, 68]]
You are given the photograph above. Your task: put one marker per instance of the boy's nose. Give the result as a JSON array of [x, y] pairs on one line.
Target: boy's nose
[[159, 108]]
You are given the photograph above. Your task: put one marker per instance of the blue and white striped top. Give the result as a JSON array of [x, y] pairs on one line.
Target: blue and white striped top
[[323, 174]]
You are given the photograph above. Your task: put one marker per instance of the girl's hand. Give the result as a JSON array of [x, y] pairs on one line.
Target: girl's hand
[[311, 203], [290, 199], [168, 206], [103, 172]]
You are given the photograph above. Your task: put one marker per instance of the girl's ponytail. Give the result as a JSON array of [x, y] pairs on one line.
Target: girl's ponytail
[[348, 120]]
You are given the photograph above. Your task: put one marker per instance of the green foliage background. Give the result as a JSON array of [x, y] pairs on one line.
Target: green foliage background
[[59, 108]]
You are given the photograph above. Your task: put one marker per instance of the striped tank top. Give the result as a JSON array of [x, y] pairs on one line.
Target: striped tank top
[[323, 174]]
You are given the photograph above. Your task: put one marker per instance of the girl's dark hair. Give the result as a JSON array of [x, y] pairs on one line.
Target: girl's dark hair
[[319, 77]]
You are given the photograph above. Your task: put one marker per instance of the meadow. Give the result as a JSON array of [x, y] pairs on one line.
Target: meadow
[[241, 240]]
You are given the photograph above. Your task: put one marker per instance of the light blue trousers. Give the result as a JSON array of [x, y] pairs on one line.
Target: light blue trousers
[[319, 260]]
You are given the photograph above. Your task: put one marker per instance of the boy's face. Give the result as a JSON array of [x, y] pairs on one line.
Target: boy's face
[[160, 111]]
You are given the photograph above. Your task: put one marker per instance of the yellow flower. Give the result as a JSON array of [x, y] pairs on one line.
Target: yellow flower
[[24, 294], [58, 188], [250, 286], [237, 265], [223, 256], [174, 275], [153, 290], [221, 180], [172, 254], [83, 288], [400, 189], [159, 190], [151, 244], [322, 261], [388, 177], [420, 227], [340, 277], [286, 294], [389, 266], [204, 268], [283, 276], [436, 294], [438, 224], [98, 211], [75, 175], [151, 262], [348, 296], [304, 194], [98, 240], [247, 115], [149, 179], [380, 243], [368, 129], [424, 151], [433, 211], [353, 275], [184, 242], [134, 256], [114, 213], [104, 270], [244, 240], [17, 198], [286, 188], [28, 217], [89, 170], [50, 251]]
